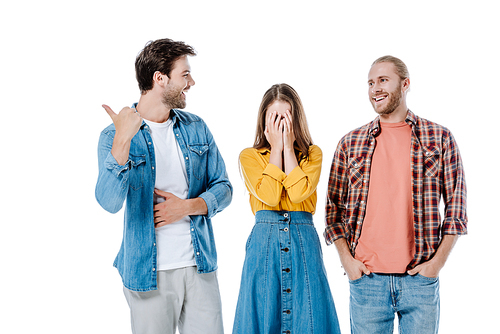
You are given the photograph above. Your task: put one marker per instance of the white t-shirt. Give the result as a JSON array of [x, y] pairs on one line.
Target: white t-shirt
[[173, 241]]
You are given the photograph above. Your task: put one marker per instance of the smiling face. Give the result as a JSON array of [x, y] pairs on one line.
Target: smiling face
[[386, 90], [178, 84]]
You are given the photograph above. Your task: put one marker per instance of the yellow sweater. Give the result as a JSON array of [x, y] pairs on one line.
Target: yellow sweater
[[271, 189]]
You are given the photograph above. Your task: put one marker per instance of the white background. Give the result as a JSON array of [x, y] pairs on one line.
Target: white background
[[60, 60]]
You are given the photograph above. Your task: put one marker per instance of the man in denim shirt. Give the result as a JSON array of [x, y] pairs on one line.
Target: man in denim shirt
[[164, 164]]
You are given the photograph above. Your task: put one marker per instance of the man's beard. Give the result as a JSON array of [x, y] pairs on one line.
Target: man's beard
[[173, 98], [395, 98]]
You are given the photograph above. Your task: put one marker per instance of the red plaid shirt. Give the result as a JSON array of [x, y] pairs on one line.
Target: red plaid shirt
[[436, 169]]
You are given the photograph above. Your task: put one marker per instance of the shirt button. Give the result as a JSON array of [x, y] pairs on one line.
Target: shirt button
[[197, 253], [192, 229], [149, 142], [285, 229], [187, 158], [286, 249], [287, 270], [288, 290], [362, 202], [285, 215], [288, 311], [154, 269], [153, 167]]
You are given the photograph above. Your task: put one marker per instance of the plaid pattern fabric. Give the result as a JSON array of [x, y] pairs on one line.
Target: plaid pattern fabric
[[436, 171]]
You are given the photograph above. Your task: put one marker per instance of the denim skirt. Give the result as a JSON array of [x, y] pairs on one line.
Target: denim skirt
[[284, 288]]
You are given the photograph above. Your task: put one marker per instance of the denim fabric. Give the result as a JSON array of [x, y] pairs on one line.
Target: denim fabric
[[375, 299], [133, 183], [284, 288]]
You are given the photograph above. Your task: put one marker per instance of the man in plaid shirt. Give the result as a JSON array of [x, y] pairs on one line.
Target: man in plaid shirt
[[382, 211]]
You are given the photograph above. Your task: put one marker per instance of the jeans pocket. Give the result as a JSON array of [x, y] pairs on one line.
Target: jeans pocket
[[357, 280], [428, 279]]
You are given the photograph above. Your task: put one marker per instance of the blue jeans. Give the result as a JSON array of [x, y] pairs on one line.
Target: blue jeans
[[375, 298]]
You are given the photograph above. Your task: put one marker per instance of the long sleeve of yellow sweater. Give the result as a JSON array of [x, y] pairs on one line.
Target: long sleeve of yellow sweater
[[271, 189]]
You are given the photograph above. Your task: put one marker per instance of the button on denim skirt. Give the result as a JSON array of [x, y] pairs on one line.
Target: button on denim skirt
[[284, 288]]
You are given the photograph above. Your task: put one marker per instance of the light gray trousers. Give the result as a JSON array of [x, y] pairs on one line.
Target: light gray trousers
[[184, 299]]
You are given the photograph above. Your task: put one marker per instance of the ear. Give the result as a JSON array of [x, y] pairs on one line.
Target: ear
[[406, 85], [160, 79]]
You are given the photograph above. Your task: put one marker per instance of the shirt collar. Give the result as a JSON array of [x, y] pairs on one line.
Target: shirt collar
[[411, 118], [264, 150], [173, 115], [374, 127]]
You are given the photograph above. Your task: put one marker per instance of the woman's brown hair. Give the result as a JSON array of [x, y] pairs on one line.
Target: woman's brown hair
[[285, 93]]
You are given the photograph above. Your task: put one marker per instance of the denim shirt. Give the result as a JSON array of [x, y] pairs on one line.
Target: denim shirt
[[134, 183]]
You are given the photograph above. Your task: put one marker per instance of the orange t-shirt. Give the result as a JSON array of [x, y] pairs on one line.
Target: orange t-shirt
[[387, 241]]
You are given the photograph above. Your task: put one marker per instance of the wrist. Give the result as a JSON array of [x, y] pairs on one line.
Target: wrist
[[276, 154], [346, 259], [436, 263], [121, 140], [276, 148], [120, 150], [196, 206]]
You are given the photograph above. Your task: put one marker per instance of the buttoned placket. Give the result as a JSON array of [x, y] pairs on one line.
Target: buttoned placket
[[150, 146], [286, 273], [184, 150], [417, 166]]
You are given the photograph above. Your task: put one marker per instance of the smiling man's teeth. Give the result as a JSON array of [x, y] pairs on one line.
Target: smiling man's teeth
[[379, 98]]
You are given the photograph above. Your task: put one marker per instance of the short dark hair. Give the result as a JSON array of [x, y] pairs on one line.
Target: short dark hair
[[158, 55]]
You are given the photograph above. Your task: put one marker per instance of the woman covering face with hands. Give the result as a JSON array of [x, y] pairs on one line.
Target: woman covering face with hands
[[284, 288], [279, 134]]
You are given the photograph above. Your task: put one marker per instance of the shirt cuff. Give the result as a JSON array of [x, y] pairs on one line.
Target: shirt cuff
[[274, 172], [454, 226], [333, 233], [212, 204], [111, 164], [295, 176]]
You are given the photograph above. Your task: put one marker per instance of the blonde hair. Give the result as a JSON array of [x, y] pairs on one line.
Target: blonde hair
[[401, 69]]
